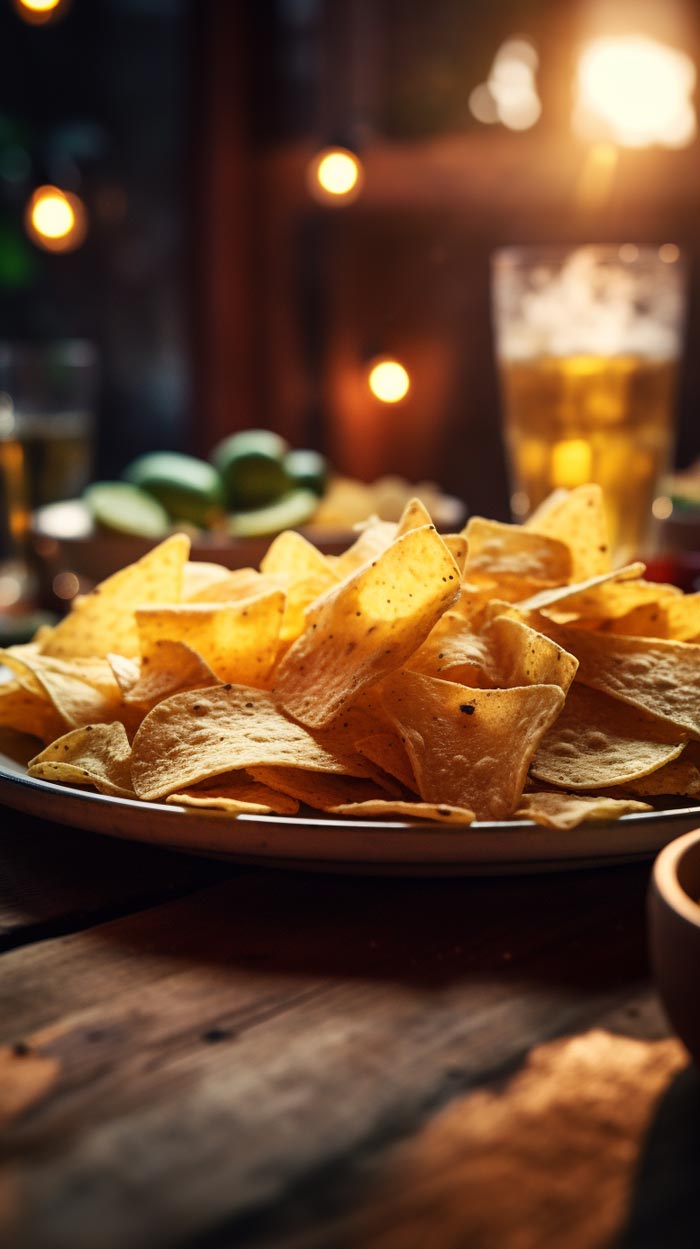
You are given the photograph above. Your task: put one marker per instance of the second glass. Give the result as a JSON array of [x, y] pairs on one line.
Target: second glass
[[588, 342]]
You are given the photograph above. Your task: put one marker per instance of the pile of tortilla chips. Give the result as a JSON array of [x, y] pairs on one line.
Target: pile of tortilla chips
[[502, 672]]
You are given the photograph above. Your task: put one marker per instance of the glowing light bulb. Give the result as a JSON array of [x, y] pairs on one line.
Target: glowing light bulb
[[55, 219], [637, 90], [389, 381], [335, 174], [38, 12]]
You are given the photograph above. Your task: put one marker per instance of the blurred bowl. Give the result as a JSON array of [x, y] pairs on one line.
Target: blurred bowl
[[674, 935], [73, 554]]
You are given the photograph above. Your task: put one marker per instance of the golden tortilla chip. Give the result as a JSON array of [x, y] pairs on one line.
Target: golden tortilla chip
[[82, 691], [678, 779], [442, 814], [519, 655], [558, 810], [389, 753], [367, 626], [581, 593], [236, 793], [28, 712], [97, 755], [509, 557], [659, 676], [241, 583], [165, 669], [470, 747], [320, 790], [197, 575], [577, 518], [598, 741], [192, 737], [104, 620], [238, 641]]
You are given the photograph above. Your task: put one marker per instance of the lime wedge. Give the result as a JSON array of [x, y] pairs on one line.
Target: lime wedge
[[296, 508], [123, 508], [251, 464], [188, 488]]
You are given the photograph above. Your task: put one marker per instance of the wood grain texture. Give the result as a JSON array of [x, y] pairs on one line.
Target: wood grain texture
[[250, 1047], [54, 878]]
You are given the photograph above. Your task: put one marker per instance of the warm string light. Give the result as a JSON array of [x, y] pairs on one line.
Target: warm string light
[[55, 220], [335, 175], [39, 12], [389, 381], [636, 91], [509, 96]]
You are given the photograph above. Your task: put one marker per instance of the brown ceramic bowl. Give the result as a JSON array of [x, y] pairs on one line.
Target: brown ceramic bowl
[[674, 935]]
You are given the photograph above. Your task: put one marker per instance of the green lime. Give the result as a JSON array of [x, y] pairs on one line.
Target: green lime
[[294, 509], [309, 469], [251, 464], [188, 489], [119, 506]]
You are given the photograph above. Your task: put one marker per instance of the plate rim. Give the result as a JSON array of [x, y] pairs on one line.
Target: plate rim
[[370, 845]]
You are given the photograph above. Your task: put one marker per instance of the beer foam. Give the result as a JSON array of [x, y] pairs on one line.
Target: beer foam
[[589, 307]]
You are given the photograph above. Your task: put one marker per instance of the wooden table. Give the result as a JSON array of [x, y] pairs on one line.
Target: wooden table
[[205, 1056]]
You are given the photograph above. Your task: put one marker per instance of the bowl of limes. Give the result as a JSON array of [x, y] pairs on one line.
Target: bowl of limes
[[252, 486]]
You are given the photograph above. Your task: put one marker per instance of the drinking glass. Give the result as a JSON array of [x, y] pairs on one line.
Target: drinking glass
[[47, 396], [588, 342]]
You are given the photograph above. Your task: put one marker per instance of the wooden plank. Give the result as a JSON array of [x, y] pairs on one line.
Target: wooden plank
[[219, 1052], [53, 878], [546, 1159]]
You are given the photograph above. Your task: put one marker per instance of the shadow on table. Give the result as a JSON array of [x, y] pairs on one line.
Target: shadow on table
[[582, 931], [664, 1206]]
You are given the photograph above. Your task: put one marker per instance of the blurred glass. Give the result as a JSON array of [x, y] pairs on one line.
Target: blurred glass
[[47, 398], [588, 343]]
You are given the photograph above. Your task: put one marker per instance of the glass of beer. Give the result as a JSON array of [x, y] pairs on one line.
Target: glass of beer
[[47, 399], [588, 342]]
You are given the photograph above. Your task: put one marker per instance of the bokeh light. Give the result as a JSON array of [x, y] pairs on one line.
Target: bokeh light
[[510, 94], [389, 381], [39, 12], [55, 220], [636, 91], [335, 175]]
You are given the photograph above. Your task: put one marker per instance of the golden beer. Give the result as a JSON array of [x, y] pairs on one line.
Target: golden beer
[[579, 418]]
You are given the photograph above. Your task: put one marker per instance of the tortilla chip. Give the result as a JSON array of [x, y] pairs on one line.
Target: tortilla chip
[[104, 620], [198, 574], [509, 557], [82, 691], [679, 779], [443, 814], [97, 755], [241, 583], [366, 627], [27, 712], [576, 597], [659, 676], [519, 655], [165, 669], [192, 737], [320, 790], [469, 747], [238, 641], [598, 741], [558, 810], [236, 793], [389, 753], [577, 518], [302, 572]]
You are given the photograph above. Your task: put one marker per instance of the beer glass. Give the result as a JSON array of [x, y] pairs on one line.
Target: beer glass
[[588, 342], [47, 397]]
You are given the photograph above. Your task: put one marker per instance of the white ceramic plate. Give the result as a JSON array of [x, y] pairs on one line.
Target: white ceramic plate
[[336, 844]]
